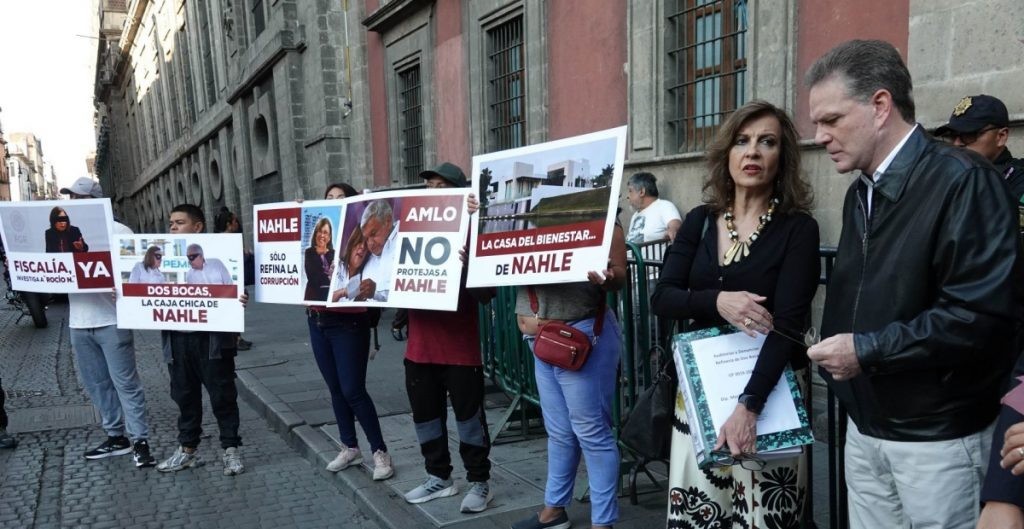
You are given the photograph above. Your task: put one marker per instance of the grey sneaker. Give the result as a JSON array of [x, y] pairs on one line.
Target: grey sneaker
[[477, 498], [232, 459], [180, 460], [431, 489], [382, 468], [346, 458]]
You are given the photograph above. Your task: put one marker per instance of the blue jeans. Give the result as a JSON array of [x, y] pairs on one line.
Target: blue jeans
[[106, 363], [577, 409], [341, 346]]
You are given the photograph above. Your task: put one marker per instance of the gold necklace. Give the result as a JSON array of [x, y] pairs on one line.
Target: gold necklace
[[739, 250]]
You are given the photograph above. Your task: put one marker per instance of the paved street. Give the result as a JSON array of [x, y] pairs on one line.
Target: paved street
[[46, 482]]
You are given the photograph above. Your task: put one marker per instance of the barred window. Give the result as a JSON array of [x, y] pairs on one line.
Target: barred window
[[506, 79], [411, 111], [707, 67], [258, 18]]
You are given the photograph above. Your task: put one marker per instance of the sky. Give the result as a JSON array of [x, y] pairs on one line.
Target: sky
[[46, 78]]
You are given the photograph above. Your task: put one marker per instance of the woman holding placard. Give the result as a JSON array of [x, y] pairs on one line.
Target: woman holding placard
[[747, 257], [340, 337]]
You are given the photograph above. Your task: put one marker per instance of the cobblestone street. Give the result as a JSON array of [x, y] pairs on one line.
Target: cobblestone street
[[46, 481]]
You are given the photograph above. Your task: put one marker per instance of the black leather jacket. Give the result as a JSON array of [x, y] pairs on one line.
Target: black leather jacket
[[927, 286]]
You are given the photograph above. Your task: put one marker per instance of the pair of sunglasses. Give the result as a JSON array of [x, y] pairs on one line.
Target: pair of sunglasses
[[192, 256], [62, 219]]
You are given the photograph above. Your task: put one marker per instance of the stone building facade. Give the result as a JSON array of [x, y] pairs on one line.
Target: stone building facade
[[30, 174], [221, 103], [236, 102]]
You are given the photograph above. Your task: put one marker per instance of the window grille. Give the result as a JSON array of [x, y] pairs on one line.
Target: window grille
[[506, 79], [411, 111], [707, 67]]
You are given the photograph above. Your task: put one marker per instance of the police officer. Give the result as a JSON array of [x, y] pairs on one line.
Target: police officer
[[980, 123]]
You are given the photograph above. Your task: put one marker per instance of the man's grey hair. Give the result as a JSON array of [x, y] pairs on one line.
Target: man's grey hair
[[865, 67], [377, 209], [645, 182], [196, 247]]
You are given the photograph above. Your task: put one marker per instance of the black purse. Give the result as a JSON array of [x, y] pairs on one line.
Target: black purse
[[647, 429]]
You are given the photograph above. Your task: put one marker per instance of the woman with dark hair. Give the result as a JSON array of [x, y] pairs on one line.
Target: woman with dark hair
[[62, 236], [319, 261], [340, 337], [350, 267], [747, 257], [148, 270]]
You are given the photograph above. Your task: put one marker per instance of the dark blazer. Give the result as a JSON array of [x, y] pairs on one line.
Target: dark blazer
[[61, 241], [317, 282]]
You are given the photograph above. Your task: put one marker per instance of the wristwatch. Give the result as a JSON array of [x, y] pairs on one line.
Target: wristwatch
[[753, 403]]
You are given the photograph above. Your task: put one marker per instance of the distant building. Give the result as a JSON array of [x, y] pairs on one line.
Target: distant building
[[27, 150], [5, 177]]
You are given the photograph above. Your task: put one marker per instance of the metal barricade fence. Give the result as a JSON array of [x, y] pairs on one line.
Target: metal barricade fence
[[509, 364]]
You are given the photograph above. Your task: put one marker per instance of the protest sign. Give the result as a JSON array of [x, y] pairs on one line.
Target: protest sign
[[546, 211], [401, 249], [181, 282], [58, 246], [294, 250]]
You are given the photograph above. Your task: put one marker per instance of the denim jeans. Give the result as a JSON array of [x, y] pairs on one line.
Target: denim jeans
[[577, 409], [106, 364], [341, 346]]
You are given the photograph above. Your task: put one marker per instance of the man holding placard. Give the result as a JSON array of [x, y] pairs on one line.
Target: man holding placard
[[105, 356], [201, 358]]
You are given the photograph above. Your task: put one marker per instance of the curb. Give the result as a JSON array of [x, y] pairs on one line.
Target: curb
[[380, 503]]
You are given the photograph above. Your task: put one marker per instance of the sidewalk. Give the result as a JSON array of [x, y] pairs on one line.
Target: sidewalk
[[279, 378]]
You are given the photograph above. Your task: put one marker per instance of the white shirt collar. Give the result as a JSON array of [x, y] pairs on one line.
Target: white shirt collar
[[882, 167]]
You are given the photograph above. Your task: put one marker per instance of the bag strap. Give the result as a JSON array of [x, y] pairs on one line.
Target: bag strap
[[599, 319]]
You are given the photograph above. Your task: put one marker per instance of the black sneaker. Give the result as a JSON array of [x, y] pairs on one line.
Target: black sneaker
[[141, 454], [113, 446]]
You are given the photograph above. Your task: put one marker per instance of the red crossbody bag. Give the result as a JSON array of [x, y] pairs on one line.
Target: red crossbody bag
[[563, 345]]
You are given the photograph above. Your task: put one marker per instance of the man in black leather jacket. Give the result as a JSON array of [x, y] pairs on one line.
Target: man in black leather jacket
[[920, 313]]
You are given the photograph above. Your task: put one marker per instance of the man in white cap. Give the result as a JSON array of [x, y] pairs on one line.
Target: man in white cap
[[106, 361]]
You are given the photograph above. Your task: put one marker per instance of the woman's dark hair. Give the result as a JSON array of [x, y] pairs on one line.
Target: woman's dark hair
[[54, 213], [354, 240], [223, 218], [149, 261], [791, 188], [348, 190]]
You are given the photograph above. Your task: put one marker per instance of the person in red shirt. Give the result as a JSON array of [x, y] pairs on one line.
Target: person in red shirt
[[442, 362]]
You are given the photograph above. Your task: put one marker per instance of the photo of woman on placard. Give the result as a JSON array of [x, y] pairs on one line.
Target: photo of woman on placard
[[319, 261], [148, 270], [350, 267], [62, 237]]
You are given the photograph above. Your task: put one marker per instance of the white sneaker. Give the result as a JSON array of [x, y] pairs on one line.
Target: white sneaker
[[477, 498], [382, 468], [346, 458], [431, 489], [232, 459]]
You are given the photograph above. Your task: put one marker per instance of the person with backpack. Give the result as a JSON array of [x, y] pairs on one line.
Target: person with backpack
[[340, 338]]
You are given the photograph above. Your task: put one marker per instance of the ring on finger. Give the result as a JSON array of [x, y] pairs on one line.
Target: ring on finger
[[748, 322], [1020, 451]]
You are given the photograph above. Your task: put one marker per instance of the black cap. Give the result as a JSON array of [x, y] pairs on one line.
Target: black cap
[[449, 172], [974, 113]]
